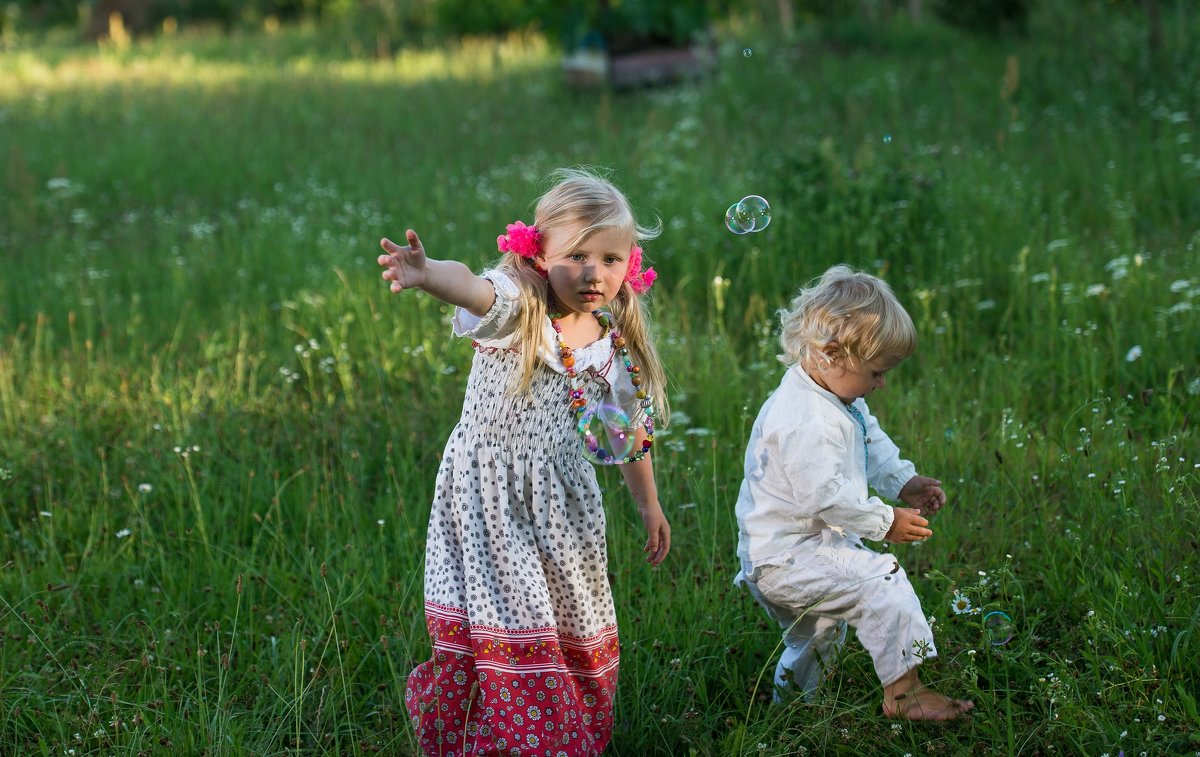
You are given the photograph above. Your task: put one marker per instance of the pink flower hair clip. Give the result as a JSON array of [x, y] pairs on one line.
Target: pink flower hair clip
[[639, 280], [520, 239]]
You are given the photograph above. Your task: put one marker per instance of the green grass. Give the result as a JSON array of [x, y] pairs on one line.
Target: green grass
[[218, 429]]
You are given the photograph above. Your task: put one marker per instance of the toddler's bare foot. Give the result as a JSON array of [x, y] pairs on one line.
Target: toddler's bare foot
[[924, 704]]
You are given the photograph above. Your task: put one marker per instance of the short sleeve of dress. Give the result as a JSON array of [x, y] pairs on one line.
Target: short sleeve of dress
[[500, 320]]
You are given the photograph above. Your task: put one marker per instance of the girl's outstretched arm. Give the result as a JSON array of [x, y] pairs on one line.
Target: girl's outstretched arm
[[639, 477], [450, 281]]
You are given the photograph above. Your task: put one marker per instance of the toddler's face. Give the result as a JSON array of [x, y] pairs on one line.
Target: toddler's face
[[851, 379], [589, 276]]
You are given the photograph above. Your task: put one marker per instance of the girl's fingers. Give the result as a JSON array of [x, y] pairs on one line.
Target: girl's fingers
[[657, 550], [396, 253]]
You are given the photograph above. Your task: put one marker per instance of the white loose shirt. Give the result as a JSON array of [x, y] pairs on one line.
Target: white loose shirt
[[806, 469]]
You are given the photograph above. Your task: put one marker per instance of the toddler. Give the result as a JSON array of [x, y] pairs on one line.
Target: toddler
[[804, 506]]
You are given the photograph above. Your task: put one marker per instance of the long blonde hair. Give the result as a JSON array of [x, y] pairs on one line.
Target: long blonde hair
[[584, 197], [857, 310]]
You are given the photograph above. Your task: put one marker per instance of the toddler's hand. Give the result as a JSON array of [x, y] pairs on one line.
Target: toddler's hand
[[923, 493], [907, 526], [406, 266]]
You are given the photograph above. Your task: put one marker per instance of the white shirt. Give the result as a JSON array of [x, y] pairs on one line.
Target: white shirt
[[806, 469]]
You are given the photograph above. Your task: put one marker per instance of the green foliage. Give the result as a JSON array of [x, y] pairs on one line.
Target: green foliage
[[988, 16], [42, 13], [217, 427], [458, 17]]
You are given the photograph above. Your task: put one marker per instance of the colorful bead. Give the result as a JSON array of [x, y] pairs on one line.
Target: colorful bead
[[575, 391]]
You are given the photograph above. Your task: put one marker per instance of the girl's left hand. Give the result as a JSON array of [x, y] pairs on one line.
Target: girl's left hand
[[658, 534], [923, 493]]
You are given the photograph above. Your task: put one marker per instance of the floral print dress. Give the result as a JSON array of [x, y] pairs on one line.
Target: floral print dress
[[517, 600]]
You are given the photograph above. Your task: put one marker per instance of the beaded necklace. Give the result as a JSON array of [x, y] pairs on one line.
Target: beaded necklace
[[578, 404]]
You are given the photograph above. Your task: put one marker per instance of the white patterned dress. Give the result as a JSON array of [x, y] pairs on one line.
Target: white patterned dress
[[517, 601]]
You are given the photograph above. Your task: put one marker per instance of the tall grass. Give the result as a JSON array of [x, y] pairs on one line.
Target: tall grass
[[218, 429]]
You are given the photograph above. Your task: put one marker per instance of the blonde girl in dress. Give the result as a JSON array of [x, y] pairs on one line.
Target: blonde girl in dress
[[517, 599], [805, 507]]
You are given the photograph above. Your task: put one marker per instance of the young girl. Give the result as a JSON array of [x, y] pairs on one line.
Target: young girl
[[517, 598], [804, 508]]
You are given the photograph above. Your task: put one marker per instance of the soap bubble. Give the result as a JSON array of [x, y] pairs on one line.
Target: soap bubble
[[751, 213], [609, 436], [747, 53], [887, 139], [755, 210], [998, 627], [733, 221]]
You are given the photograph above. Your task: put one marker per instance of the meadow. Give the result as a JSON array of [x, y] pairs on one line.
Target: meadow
[[218, 429]]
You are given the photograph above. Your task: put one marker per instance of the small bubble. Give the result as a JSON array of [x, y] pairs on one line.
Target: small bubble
[[747, 53], [608, 434], [733, 221], [998, 627], [887, 139], [751, 213]]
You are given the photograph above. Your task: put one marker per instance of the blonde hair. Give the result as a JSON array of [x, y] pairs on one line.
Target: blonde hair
[[582, 196], [857, 310]]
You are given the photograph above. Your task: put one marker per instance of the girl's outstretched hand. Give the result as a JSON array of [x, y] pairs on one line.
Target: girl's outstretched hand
[[658, 534], [923, 493], [406, 267]]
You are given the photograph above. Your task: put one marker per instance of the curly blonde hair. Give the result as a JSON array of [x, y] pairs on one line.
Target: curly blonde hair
[[582, 196], [856, 310]]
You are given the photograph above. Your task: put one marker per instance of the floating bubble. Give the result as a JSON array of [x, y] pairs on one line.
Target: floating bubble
[[998, 627], [747, 53], [751, 213], [608, 434], [734, 220], [887, 139]]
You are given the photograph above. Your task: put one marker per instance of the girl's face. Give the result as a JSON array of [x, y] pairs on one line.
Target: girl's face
[[851, 379], [589, 276]]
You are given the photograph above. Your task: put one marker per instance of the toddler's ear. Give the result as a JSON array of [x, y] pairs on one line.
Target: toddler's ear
[[832, 351]]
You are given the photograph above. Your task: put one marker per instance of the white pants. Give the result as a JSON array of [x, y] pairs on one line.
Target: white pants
[[830, 581]]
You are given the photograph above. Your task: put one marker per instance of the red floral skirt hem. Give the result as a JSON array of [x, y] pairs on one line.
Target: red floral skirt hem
[[496, 691]]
